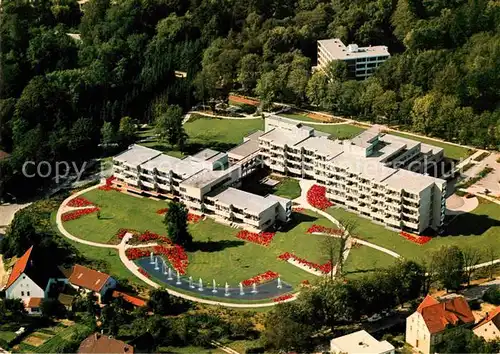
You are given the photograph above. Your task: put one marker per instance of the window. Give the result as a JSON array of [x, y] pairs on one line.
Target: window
[[22, 293], [28, 293]]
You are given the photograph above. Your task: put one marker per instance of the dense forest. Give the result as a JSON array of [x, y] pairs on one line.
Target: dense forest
[[61, 96]]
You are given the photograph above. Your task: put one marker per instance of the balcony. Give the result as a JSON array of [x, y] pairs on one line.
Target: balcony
[[410, 224], [224, 213], [209, 206], [252, 222], [293, 170], [131, 181], [119, 176], [147, 184]]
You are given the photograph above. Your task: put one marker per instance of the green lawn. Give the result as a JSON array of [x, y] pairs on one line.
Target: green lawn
[[479, 229], [363, 259], [118, 211], [341, 131], [189, 350], [298, 116], [221, 256], [218, 134], [288, 188], [451, 151]]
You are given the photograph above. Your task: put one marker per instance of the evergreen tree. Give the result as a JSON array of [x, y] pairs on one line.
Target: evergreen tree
[[176, 222]]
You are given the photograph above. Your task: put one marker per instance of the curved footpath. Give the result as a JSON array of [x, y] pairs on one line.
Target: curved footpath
[[134, 269]]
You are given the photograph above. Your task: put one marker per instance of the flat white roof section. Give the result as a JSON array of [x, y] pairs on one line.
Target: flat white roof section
[[280, 137], [322, 146], [136, 155], [243, 150], [206, 155], [411, 181], [360, 342], [253, 203], [339, 51], [163, 163]]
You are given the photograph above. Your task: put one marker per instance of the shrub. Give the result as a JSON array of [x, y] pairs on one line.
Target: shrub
[[492, 295]]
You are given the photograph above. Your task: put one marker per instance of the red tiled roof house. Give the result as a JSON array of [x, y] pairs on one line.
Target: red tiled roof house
[[91, 281], [425, 327], [98, 343]]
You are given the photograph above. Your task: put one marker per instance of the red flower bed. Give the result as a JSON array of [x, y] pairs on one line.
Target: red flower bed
[[261, 278], [324, 268], [121, 233], [143, 272], [176, 255], [316, 196], [419, 240], [323, 229], [194, 218], [283, 297], [263, 238], [136, 253], [109, 185], [73, 215], [79, 202], [162, 211], [151, 236]]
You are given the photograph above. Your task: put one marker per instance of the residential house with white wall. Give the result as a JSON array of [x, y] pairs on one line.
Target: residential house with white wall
[[30, 281], [426, 326], [91, 281]]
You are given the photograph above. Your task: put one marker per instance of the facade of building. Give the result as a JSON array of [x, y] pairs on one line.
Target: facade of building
[[30, 281], [377, 175], [360, 342], [91, 281], [361, 61], [425, 327], [204, 182], [489, 326]]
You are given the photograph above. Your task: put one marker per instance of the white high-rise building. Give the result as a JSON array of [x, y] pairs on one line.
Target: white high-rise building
[[361, 61]]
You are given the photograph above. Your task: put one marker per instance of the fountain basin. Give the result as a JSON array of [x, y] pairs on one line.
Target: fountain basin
[[266, 291]]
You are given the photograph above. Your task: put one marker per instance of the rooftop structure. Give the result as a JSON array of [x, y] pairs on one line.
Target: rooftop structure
[[361, 61], [207, 174], [247, 201], [489, 326], [99, 343], [360, 342], [137, 155], [88, 278]]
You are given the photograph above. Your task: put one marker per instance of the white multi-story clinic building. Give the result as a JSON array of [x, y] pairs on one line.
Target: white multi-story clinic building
[[361, 61], [204, 183], [377, 175]]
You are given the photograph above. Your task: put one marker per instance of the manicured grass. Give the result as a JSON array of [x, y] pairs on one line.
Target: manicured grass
[[341, 131], [479, 229], [451, 151], [288, 188], [107, 260], [223, 256], [205, 132], [213, 131], [363, 259], [242, 260], [118, 211]]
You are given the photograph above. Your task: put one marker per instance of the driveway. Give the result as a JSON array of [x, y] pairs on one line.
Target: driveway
[[491, 181]]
